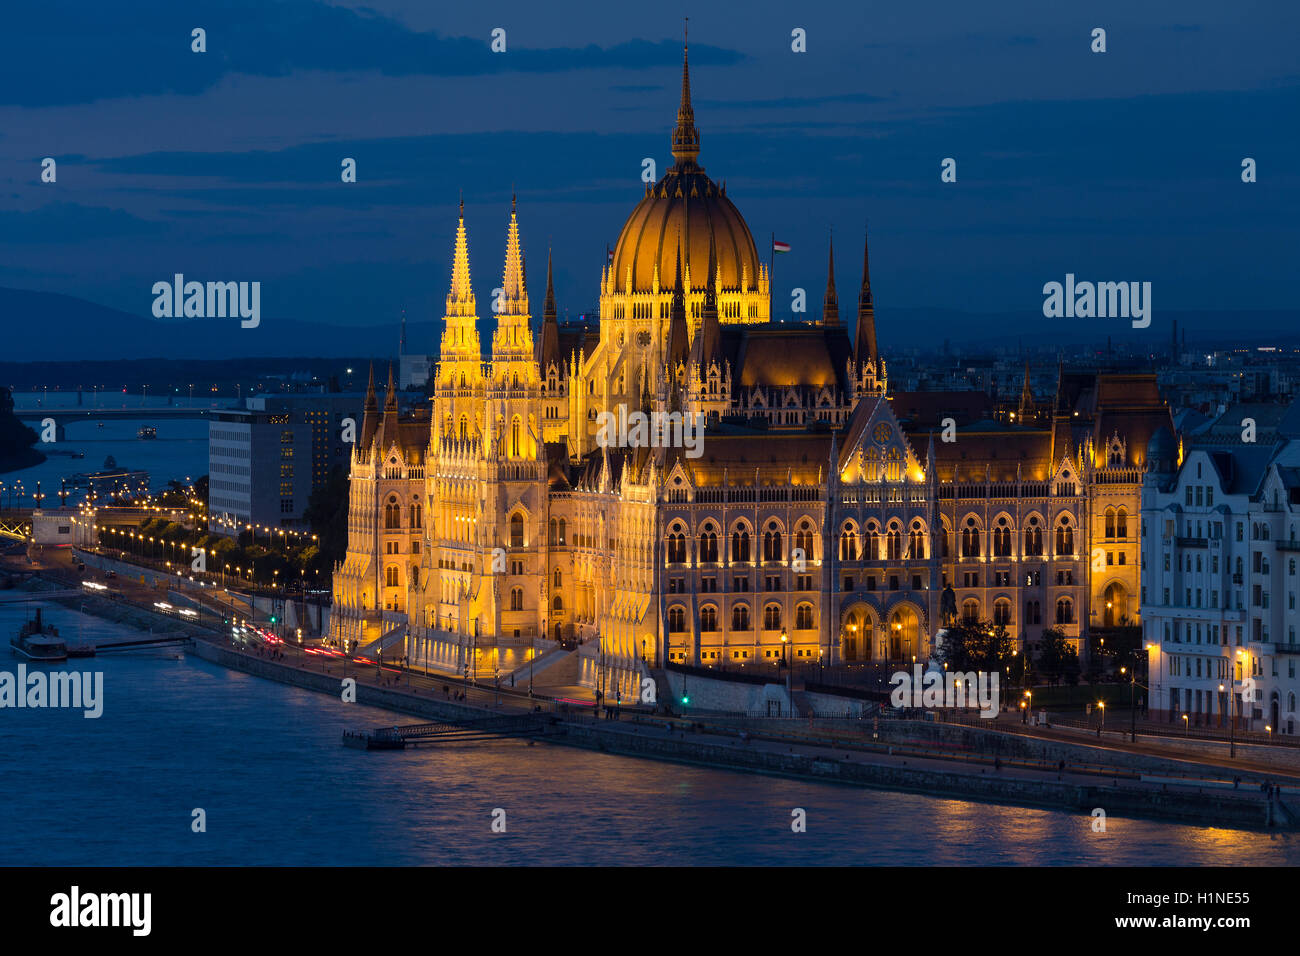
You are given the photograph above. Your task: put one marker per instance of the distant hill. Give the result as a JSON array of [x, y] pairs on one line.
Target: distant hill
[[44, 326]]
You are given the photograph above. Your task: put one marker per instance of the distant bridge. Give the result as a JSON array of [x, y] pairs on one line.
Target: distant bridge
[[64, 415]]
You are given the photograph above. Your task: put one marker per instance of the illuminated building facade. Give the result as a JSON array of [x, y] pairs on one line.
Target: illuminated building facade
[[812, 522]]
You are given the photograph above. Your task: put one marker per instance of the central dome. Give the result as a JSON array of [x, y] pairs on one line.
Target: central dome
[[685, 208]]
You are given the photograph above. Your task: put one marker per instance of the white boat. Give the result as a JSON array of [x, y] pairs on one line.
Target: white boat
[[39, 642]]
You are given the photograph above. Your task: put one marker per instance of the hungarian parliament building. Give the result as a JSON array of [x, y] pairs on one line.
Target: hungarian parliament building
[[821, 517]]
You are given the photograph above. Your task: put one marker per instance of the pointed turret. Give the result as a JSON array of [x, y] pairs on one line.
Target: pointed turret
[[864, 345], [686, 138], [831, 301], [388, 430], [707, 346], [1026, 410], [460, 299], [549, 346], [514, 291], [678, 332], [370, 420]]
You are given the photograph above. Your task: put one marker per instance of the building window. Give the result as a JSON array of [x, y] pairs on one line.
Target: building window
[[1064, 611], [708, 618], [516, 531], [772, 617], [740, 617], [803, 617]]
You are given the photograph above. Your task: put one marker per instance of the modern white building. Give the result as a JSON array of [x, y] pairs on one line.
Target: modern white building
[[1220, 556]]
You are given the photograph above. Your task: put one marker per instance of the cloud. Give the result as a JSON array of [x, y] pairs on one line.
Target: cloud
[[93, 51]]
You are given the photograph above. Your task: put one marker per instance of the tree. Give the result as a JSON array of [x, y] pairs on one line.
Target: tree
[[977, 646], [327, 513], [1057, 657]]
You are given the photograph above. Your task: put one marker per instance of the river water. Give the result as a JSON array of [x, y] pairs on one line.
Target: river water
[[265, 763]]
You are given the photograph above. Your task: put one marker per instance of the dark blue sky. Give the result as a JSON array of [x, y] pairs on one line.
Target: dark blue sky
[[225, 165]]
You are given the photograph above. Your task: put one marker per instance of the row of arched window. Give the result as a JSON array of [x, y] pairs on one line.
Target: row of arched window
[[707, 542], [970, 611], [740, 618]]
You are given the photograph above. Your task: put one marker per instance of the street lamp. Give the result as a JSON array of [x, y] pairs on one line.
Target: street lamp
[[785, 641], [1187, 728]]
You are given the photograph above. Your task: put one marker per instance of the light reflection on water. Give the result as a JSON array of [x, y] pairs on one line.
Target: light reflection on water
[[266, 764]]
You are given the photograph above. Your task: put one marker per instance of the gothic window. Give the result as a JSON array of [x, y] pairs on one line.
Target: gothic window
[[1064, 611], [676, 546], [772, 542], [1110, 523], [803, 617], [557, 604], [970, 539], [415, 516], [391, 578], [392, 514], [1064, 536], [916, 546], [516, 599], [676, 619], [553, 538], [708, 618], [894, 542], [772, 617], [559, 578], [1033, 612], [804, 539], [516, 531], [970, 610], [740, 617], [848, 544], [1002, 612], [708, 546], [1033, 537], [740, 546], [464, 428], [871, 550], [1121, 523], [514, 437]]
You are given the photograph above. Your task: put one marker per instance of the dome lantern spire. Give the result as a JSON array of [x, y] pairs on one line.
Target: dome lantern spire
[[686, 138]]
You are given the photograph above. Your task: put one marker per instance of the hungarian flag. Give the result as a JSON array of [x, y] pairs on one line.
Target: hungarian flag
[[780, 246], [609, 256]]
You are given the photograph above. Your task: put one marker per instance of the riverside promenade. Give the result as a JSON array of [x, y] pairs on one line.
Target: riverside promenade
[[938, 759]]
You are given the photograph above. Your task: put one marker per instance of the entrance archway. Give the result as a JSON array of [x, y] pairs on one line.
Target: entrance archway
[[904, 640], [857, 635], [1115, 613]]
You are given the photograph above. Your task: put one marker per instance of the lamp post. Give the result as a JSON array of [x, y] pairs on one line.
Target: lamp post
[[1187, 728], [785, 643]]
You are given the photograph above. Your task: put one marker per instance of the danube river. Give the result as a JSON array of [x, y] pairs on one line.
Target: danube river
[[266, 765]]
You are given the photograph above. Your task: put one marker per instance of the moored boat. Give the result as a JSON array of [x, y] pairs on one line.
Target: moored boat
[[39, 642]]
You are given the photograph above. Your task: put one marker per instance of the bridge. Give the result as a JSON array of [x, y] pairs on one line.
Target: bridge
[[15, 529], [486, 728], [81, 413]]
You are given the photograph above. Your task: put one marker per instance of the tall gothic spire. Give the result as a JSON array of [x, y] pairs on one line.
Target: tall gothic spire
[[370, 419], [686, 138], [388, 429], [707, 345], [831, 301], [864, 346], [549, 353], [678, 332], [514, 291], [460, 300]]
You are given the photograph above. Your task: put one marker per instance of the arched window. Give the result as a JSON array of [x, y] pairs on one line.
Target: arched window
[[740, 617], [514, 437], [563, 532], [1110, 523], [1002, 539], [803, 539], [464, 427], [1064, 536], [1033, 613], [676, 619], [1002, 612], [1034, 537], [916, 546], [559, 578], [740, 545], [893, 542], [871, 548], [708, 618], [970, 539], [1121, 523], [554, 538], [516, 599], [970, 610], [516, 530], [391, 578], [392, 515], [557, 604], [415, 516], [1064, 611], [708, 546], [676, 547], [772, 617], [848, 544], [803, 617], [772, 542]]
